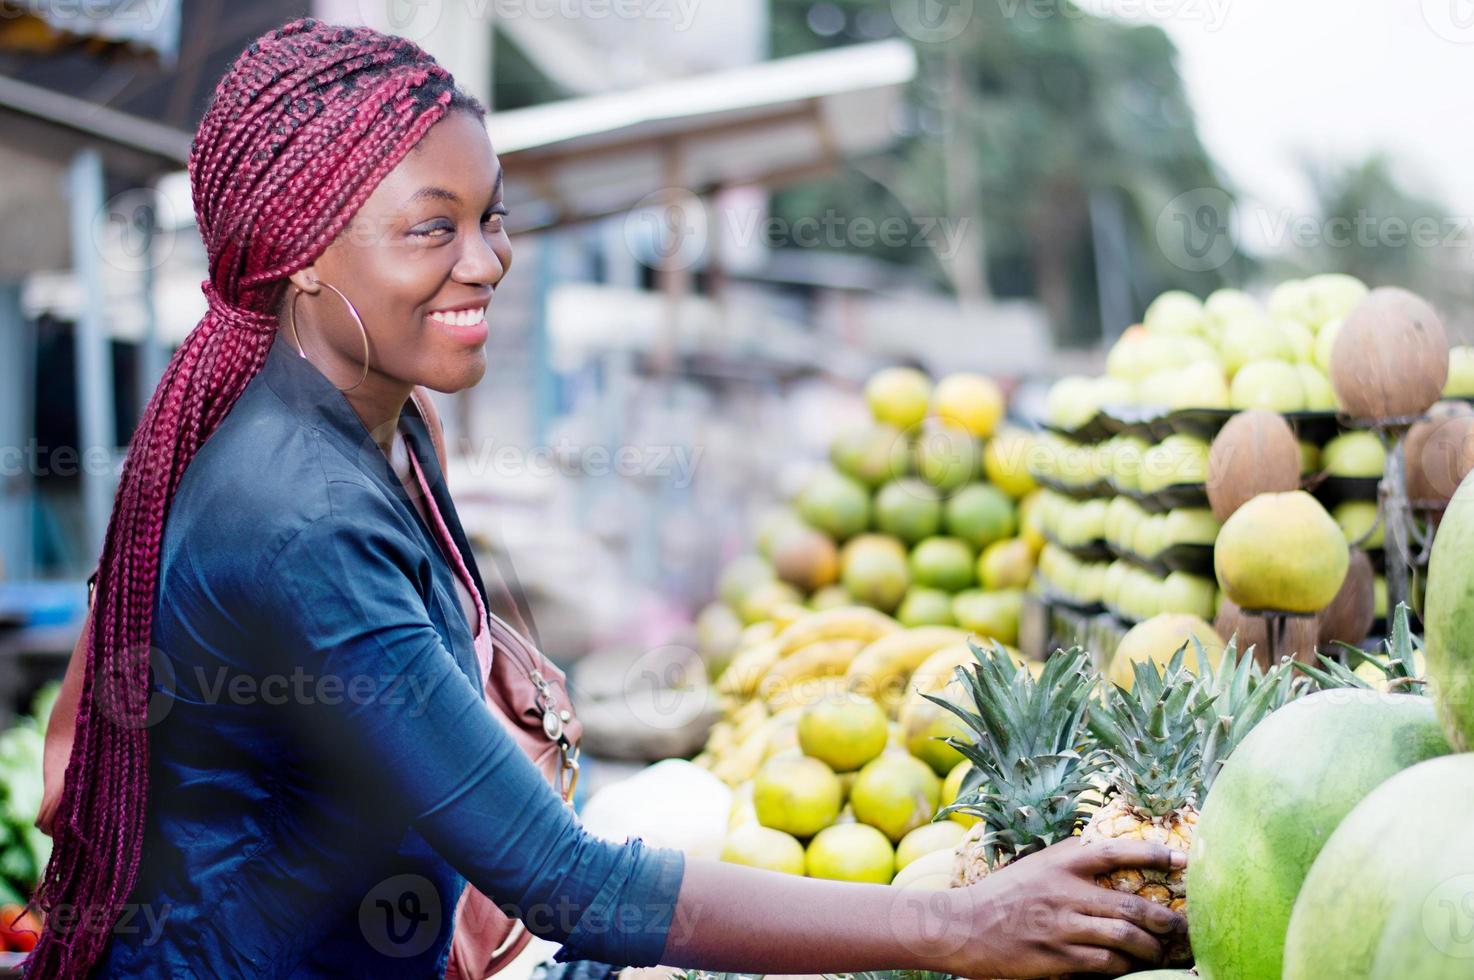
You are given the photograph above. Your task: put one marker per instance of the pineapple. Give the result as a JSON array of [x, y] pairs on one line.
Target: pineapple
[[1166, 740], [1398, 668], [1028, 746]]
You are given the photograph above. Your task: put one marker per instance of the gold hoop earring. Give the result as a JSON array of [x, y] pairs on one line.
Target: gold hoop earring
[[297, 342]]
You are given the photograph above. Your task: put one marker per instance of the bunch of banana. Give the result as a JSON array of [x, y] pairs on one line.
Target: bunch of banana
[[840, 623], [881, 670]]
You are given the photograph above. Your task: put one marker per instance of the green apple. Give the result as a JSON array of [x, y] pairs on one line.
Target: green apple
[[1271, 385], [1334, 295], [1357, 453], [1291, 300], [1199, 385], [1116, 575], [1324, 341], [1090, 582], [1122, 516], [1251, 338], [1147, 538], [1309, 457], [1126, 456], [1111, 391], [1145, 593], [1092, 519], [1071, 402], [1175, 312], [1226, 306], [1300, 339], [1182, 592], [1357, 518], [1176, 460], [1319, 395], [1460, 383], [1189, 525]]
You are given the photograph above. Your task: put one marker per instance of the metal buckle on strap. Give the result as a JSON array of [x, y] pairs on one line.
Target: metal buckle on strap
[[568, 754]]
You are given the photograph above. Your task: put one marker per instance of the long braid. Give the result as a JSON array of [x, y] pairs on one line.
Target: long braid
[[300, 130]]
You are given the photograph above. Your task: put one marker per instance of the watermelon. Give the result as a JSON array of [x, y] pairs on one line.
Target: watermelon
[[1277, 800], [1431, 937], [1388, 854], [1448, 620]]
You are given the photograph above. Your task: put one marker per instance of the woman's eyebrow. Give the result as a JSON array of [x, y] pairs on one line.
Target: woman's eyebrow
[[442, 194]]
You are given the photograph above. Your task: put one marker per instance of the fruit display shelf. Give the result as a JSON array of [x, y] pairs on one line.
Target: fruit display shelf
[[1333, 490], [1196, 559], [1097, 429], [1081, 491], [1090, 551]]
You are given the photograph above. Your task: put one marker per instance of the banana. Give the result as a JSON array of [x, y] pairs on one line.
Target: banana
[[826, 658], [803, 694], [759, 632], [742, 764], [841, 622], [746, 718], [747, 668], [881, 669], [785, 614], [938, 670]]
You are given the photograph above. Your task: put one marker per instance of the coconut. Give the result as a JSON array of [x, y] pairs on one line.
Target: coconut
[[1390, 358], [1440, 452], [1254, 453], [1299, 640], [1349, 616]]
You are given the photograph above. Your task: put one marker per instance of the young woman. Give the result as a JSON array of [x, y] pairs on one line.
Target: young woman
[[283, 763]]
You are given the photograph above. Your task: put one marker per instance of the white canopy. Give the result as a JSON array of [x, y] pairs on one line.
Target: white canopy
[[767, 123]]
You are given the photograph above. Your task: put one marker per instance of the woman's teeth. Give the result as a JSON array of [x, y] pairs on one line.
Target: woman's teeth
[[459, 318]]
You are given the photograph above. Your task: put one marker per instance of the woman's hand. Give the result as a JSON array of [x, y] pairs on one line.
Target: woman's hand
[[1045, 915]]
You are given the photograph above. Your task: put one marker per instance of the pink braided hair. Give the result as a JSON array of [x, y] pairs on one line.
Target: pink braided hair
[[305, 124]]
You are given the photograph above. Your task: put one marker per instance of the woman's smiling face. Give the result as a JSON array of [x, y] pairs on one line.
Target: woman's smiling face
[[419, 260]]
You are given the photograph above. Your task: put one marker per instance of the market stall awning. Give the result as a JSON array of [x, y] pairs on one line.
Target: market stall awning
[[769, 123]]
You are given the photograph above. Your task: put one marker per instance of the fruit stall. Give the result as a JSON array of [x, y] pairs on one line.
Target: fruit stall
[[1221, 588]]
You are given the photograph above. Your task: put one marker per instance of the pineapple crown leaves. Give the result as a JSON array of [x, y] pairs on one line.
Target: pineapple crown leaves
[[1029, 746], [1243, 695], [1151, 734], [1396, 661]]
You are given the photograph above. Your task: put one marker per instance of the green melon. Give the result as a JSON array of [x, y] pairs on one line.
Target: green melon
[[1448, 620], [1389, 854], [1431, 937], [1273, 806]]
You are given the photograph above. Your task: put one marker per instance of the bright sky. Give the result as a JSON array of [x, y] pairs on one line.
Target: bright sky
[[1275, 81]]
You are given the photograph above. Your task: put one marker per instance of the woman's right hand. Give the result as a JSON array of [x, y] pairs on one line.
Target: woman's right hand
[[1045, 915]]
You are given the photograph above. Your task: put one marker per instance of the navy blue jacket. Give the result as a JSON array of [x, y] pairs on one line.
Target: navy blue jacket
[[324, 773]]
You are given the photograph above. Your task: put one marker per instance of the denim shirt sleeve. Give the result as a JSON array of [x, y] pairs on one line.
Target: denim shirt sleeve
[[338, 601]]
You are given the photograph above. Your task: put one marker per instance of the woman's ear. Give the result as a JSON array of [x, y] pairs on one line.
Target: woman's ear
[[306, 279]]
